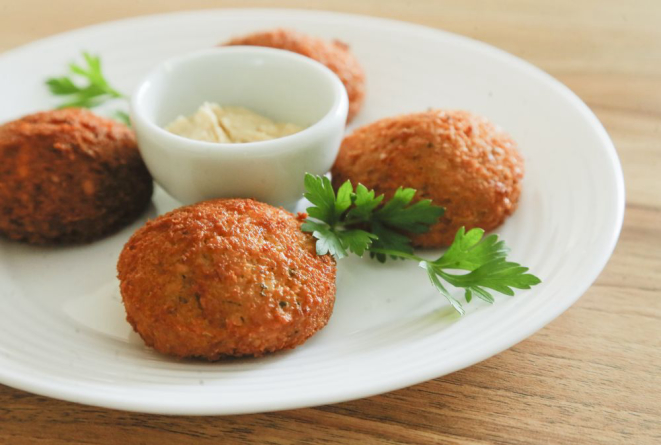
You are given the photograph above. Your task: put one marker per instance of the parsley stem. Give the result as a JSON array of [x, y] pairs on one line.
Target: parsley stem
[[397, 253]]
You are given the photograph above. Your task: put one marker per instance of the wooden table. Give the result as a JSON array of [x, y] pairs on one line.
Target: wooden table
[[591, 376]]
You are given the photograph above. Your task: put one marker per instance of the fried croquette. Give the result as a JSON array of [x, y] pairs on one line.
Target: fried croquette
[[459, 160], [335, 55], [69, 176], [227, 277]]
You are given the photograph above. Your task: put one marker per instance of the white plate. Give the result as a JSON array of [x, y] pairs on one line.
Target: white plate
[[62, 327]]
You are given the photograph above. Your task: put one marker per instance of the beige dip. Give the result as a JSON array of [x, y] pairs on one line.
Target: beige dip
[[213, 123]]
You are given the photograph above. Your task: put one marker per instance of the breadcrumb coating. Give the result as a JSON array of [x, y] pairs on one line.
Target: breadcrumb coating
[[457, 159], [227, 277], [69, 176]]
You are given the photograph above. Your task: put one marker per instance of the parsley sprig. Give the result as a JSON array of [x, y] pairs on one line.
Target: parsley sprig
[[86, 87], [357, 221]]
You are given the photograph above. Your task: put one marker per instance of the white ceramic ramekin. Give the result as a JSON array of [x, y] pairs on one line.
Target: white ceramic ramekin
[[281, 85]]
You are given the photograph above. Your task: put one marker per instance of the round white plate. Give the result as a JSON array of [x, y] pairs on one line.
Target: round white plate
[[62, 327]]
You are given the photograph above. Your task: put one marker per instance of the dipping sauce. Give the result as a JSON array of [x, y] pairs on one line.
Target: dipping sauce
[[213, 123]]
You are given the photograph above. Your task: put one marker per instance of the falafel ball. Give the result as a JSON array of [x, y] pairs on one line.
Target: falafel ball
[[226, 277], [335, 55], [457, 159], [69, 176]]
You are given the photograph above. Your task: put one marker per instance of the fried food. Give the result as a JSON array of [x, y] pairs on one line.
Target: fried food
[[335, 55], [69, 176], [459, 160], [227, 277]]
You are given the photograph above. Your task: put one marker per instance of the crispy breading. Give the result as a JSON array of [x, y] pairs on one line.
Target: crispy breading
[[227, 277], [69, 176], [459, 160]]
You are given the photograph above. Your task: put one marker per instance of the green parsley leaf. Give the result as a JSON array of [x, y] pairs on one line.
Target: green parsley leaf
[[388, 239], [356, 240], [485, 259], [343, 199], [61, 86], [364, 204], [359, 221], [499, 275], [362, 209], [319, 191], [414, 218], [338, 242], [433, 277], [328, 242], [123, 117], [86, 87], [469, 251]]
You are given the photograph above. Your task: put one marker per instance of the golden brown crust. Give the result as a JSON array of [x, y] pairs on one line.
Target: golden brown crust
[[69, 176], [457, 159], [335, 55], [227, 277]]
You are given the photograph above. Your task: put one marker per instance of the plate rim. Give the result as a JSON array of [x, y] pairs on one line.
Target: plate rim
[[83, 395]]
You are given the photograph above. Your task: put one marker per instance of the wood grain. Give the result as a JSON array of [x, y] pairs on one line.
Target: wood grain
[[593, 376]]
